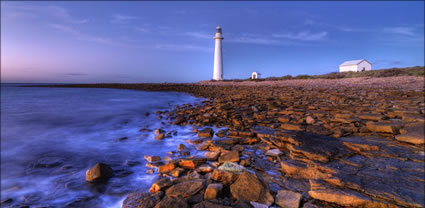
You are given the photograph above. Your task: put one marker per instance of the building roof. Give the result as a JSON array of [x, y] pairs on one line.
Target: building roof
[[353, 62], [256, 72]]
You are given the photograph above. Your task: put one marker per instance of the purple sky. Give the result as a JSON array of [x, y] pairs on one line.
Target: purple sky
[[85, 42]]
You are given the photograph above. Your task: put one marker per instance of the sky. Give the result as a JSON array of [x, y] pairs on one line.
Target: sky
[[143, 41]]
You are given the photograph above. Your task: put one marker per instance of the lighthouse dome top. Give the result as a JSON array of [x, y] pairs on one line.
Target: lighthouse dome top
[[218, 28]]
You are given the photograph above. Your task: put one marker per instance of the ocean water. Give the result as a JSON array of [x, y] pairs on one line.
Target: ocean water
[[51, 136]]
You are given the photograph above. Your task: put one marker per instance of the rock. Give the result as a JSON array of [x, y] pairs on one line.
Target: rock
[[186, 188], [221, 133], [48, 162], [99, 172], [131, 163], [160, 136], [213, 191], [177, 172], [194, 175], [211, 155], [370, 116], [258, 205], [199, 197], [181, 147], [191, 163], [167, 167], [184, 153], [160, 185], [179, 120], [274, 153], [297, 169], [384, 127], [292, 127], [145, 200], [413, 134], [168, 202], [238, 148], [210, 204], [158, 131], [247, 187], [249, 140], [344, 197], [207, 132], [150, 171], [122, 139], [205, 168], [309, 120], [152, 158], [231, 167], [6, 201], [155, 164], [231, 156], [310, 204], [288, 199], [224, 176], [167, 158], [283, 119]]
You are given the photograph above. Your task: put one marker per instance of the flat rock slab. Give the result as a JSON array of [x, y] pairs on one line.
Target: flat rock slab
[[362, 172], [345, 197], [316, 147], [384, 127], [412, 134], [231, 156]]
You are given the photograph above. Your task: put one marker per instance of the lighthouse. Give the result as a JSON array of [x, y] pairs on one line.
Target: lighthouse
[[218, 55]]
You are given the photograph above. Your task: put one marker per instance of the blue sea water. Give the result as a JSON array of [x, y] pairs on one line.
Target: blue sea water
[[51, 136]]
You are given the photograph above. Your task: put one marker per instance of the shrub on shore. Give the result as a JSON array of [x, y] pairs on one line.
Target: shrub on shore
[[408, 71]]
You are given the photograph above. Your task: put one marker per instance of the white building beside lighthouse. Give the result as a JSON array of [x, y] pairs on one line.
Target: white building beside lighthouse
[[355, 66], [218, 55]]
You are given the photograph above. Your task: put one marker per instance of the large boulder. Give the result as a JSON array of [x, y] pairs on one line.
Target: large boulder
[[249, 188], [139, 200], [186, 188], [99, 172]]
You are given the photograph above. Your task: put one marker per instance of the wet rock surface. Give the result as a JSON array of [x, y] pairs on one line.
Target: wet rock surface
[[315, 143], [99, 172]]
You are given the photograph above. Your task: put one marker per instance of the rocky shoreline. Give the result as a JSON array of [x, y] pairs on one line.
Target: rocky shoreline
[[355, 142]]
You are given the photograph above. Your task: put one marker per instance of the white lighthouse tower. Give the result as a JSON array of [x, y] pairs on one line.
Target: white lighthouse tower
[[218, 55]]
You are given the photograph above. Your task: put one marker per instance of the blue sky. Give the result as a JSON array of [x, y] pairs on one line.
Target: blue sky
[[85, 42]]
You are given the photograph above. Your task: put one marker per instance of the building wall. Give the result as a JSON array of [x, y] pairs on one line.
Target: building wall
[[348, 68], [364, 64]]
